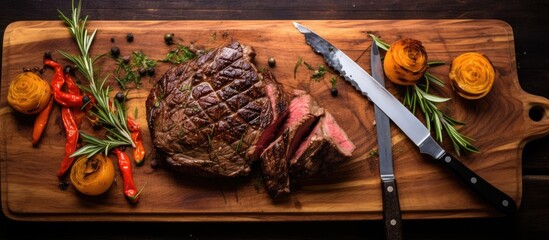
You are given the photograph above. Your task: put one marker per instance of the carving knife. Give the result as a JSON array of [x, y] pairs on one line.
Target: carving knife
[[404, 119], [389, 193]]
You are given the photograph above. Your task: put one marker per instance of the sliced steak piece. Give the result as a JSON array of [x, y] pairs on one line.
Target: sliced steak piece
[[327, 145], [275, 167], [304, 113], [215, 114]]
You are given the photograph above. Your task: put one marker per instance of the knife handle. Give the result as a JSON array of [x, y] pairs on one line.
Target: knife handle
[[391, 210], [494, 196]]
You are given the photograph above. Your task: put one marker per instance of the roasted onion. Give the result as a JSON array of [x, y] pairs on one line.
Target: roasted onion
[[29, 93], [472, 75], [92, 176], [405, 62]]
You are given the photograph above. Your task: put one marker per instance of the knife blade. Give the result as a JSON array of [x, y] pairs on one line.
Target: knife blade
[[391, 206], [404, 119]]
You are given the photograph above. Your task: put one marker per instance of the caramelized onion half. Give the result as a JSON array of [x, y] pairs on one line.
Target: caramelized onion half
[[472, 75], [29, 93], [405, 62], [92, 176]]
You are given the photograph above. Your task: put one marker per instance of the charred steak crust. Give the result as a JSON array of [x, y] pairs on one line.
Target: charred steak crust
[[215, 114], [275, 166]]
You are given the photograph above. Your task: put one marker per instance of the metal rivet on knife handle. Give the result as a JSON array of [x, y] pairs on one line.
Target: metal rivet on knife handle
[[505, 203]]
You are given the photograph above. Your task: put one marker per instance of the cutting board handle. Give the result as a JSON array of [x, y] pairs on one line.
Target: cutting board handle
[[536, 116]]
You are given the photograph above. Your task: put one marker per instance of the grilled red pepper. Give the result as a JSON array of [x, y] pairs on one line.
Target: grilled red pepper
[[71, 132], [137, 138], [72, 88], [64, 99], [40, 122], [125, 166]]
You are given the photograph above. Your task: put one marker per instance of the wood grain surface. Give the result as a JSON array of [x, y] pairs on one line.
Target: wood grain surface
[[499, 123]]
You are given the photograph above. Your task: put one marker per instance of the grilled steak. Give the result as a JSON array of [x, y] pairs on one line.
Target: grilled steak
[[215, 114], [304, 112]]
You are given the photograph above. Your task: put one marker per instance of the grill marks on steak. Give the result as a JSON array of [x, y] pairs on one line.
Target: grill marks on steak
[[311, 140], [215, 114]]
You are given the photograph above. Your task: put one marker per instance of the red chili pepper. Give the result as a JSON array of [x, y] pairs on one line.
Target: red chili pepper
[[137, 138], [71, 132], [63, 98], [72, 88], [125, 166], [132, 124], [40, 122]]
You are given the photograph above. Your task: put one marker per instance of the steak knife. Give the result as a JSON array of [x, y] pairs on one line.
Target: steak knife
[[389, 193], [404, 119]]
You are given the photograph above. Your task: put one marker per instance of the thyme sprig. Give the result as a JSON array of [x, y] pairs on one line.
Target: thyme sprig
[[131, 70], [418, 95], [113, 118], [179, 55]]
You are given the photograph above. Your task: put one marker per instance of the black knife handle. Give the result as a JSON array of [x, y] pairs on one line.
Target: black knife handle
[[494, 196], [391, 210]]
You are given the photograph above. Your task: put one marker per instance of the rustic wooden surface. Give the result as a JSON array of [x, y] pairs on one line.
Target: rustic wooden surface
[[352, 192], [531, 57]]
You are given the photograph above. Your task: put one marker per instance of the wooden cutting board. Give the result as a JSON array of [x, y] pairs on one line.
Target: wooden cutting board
[[499, 122]]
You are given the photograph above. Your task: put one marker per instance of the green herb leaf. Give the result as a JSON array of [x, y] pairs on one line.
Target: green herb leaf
[[297, 65], [380, 43], [179, 55]]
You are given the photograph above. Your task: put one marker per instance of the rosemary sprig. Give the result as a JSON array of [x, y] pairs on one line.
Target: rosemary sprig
[[112, 118], [418, 95]]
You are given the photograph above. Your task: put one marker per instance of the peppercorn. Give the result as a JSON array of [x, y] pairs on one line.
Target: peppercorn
[[86, 99], [142, 71], [96, 126], [119, 96], [26, 69], [115, 52], [154, 163], [272, 62], [47, 55], [126, 60], [333, 91], [168, 38], [112, 39], [63, 185], [150, 71], [67, 69], [129, 37]]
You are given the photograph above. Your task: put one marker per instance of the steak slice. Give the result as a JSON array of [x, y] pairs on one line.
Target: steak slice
[[215, 114], [303, 113], [275, 167], [327, 145]]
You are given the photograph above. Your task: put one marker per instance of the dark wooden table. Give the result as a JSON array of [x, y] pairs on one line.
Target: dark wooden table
[[530, 23]]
